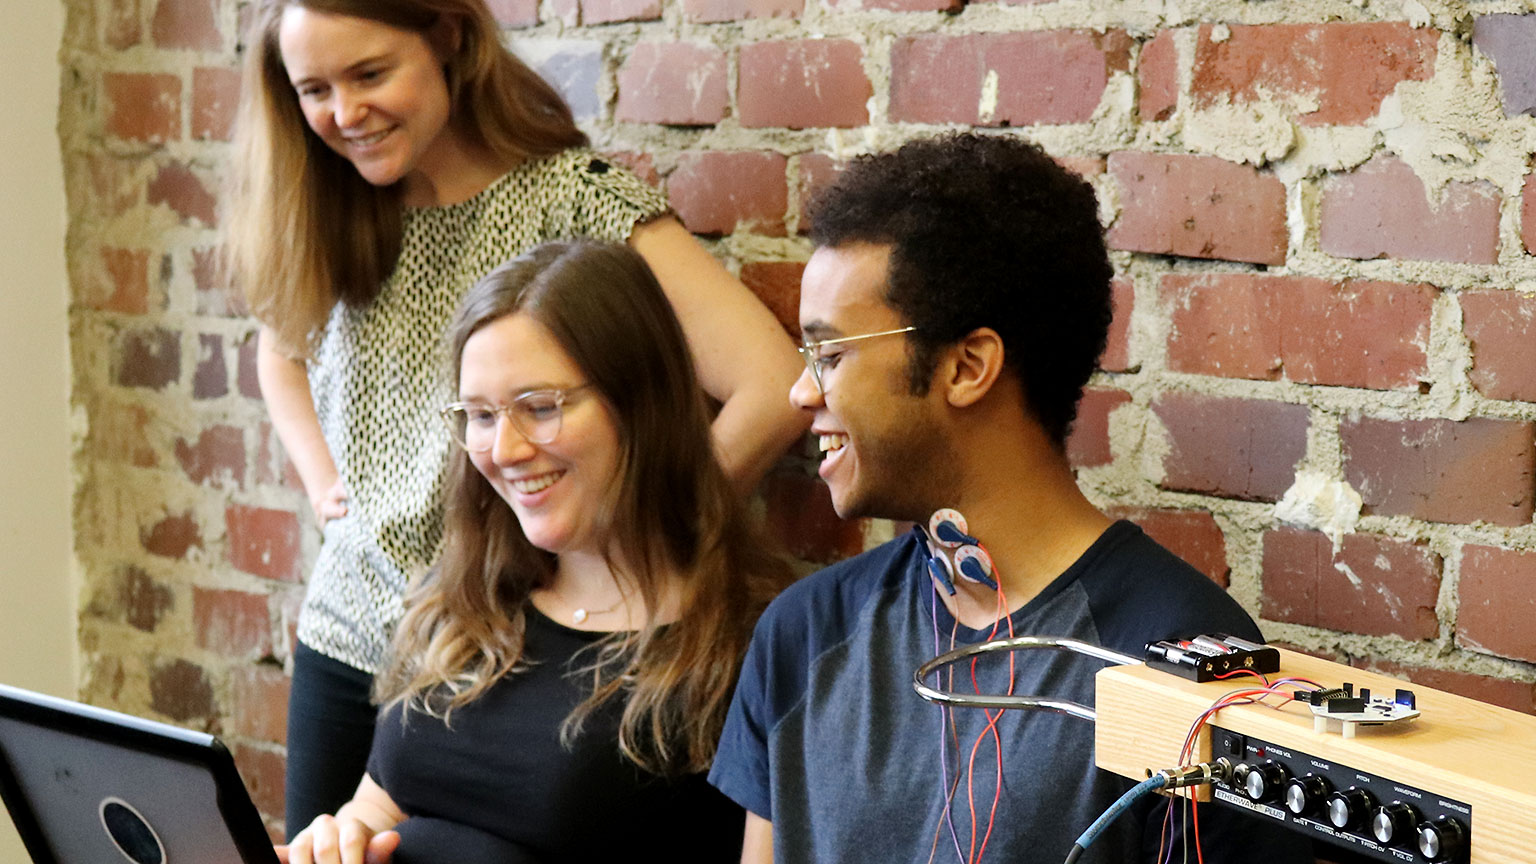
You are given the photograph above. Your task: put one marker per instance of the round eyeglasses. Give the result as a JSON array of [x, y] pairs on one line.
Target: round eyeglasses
[[810, 352], [535, 415]]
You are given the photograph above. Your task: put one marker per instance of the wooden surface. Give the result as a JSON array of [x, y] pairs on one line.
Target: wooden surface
[[1459, 748]]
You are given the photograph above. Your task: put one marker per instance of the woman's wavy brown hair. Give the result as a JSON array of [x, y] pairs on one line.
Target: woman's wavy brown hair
[[303, 229], [671, 513]]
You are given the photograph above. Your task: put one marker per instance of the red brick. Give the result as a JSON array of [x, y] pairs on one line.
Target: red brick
[[817, 171], [1374, 585], [245, 374], [1117, 347], [210, 379], [178, 187], [1506, 40], [233, 623], [124, 24], [143, 107], [800, 514], [143, 600], [218, 456], [215, 93], [1443, 470], [1528, 213], [642, 165], [1514, 695], [1088, 443], [711, 11], [1345, 70], [1497, 614], [899, 5], [214, 297], [259, 693], [1234, 448], [1380, 211], [148, 358], [673, 82], [567, 12], [1157, 77], [181, 691], [263, 542], [716, 192], [1315, 331], [120, 432], [515, 13], [127, 273], [1083, 166], [1197, 207], [1190, 534], [802, 84], [262, 771], [610, 11], [1055, 76], [172, 537], [1501, 326], [777, 284], [191, 24]]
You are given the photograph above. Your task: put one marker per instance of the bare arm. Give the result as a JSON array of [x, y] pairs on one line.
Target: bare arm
[[744, 358], [757, 842], [359, 833], [285, 389]]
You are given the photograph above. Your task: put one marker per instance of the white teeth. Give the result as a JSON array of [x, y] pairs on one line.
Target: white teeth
[[530, 485], [368, 140], [833, 442]]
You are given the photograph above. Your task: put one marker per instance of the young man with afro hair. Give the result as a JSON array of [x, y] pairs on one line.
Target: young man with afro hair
[[954, 307]]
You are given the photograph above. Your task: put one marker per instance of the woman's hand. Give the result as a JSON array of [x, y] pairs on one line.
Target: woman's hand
[[329, 840], [359, 833], [330, 504]]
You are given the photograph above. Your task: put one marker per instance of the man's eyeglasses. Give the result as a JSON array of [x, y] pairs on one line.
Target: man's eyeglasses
[[814, 360], [535, 415]]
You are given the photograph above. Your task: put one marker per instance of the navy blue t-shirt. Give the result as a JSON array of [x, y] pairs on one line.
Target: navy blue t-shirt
[[827, 740]]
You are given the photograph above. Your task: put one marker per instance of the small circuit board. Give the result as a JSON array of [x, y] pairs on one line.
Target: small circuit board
[[1343, 710]]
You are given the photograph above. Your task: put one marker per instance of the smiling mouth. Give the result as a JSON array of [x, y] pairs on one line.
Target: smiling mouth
[[530, 485], [832, 442], [370, 139]]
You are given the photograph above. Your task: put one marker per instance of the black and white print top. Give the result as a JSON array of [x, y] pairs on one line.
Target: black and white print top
[[379, 378]]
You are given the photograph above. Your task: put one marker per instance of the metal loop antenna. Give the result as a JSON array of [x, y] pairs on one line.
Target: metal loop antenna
[[1015, 643]]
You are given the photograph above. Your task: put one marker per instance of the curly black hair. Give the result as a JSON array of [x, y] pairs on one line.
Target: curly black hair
[[986, 231]]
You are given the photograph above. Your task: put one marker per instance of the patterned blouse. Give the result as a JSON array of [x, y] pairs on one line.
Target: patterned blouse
[[380, 376]]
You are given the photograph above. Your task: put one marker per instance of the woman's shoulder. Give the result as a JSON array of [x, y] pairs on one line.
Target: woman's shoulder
[[584, 171]]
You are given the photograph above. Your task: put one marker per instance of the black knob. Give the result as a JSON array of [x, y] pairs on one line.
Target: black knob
[[1305, 795], [1350, 808], [1442, 839], [1264, 782], [1393, 824]]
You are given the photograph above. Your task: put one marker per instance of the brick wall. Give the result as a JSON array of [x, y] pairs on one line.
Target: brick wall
[[1320, 389]]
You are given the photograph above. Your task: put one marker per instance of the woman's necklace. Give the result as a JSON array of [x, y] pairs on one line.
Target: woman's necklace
[[582, 613]]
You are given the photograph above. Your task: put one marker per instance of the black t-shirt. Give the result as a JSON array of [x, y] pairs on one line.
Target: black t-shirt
[[497, 786]]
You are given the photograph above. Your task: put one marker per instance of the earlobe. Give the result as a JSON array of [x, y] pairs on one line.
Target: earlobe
[[972, 366]]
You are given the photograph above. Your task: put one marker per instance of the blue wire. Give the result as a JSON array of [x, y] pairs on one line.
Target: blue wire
[[1140, 790]]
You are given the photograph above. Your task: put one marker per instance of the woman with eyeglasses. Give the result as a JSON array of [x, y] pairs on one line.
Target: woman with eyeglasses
[[560, 678], [388, 153]]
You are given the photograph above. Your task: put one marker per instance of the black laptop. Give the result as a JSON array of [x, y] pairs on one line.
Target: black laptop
[[90, 786]]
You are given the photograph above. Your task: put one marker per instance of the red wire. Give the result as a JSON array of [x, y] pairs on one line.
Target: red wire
[[997, 794]]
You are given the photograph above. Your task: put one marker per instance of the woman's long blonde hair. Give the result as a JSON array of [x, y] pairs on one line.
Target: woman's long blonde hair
[[303, 229], [671, 514]]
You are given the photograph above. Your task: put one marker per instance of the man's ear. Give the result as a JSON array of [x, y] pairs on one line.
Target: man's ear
[[972, 366]]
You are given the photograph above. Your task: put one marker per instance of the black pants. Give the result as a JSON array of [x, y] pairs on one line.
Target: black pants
[[330, 730]]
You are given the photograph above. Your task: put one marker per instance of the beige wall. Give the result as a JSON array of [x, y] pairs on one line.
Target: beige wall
[[37, 632]]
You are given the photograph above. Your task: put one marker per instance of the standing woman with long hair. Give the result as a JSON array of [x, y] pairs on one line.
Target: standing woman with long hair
[[388, 153], [560, 679]]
